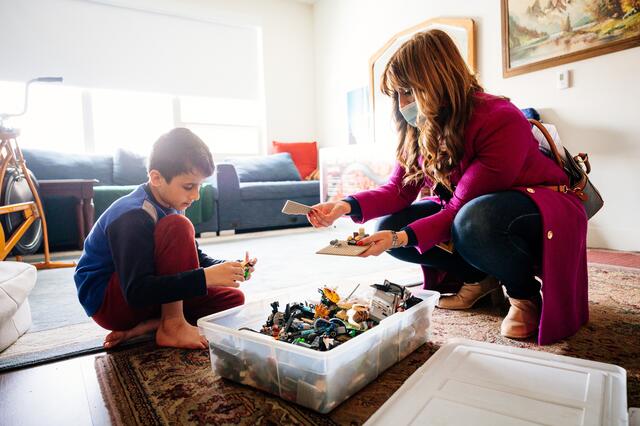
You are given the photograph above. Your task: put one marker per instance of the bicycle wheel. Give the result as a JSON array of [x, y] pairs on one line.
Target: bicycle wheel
[[16, 190]]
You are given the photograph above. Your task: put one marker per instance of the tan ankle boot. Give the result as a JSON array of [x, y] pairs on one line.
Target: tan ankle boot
[[470, 294], [522, 320]]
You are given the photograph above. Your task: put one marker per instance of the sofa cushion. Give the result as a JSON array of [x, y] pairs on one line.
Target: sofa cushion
[[199, 211], [129, 168], [57, 165], [279, 190], [269, 168], [303, 154], [16, 326], [17, 279]]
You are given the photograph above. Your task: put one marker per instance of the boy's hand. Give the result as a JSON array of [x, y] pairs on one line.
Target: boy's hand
[[248, 266], [227, 274]]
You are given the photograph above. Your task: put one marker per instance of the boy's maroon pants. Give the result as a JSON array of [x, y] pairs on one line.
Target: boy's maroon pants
[[175, 252]]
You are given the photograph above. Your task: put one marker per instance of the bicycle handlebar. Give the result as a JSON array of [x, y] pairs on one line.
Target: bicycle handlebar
[[48, 79], [26, 95]]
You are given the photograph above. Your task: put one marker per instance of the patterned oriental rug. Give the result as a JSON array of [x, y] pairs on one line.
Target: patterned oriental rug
[[152, 386]]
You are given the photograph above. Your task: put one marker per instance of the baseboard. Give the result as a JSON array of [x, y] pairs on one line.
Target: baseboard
[[208, 234], [623, 239], [634, 416]]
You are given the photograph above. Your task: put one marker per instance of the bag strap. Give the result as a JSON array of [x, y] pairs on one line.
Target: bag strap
[[550, 141], [582, 158]]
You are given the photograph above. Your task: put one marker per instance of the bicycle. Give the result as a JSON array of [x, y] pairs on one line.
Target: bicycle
[[25, 221]]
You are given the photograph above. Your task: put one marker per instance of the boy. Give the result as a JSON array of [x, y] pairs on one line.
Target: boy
[[141, 268]]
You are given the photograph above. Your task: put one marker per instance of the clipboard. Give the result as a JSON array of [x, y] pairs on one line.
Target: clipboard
[[343, 249]]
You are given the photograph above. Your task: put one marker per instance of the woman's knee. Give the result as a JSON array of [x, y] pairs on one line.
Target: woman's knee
[[474, 222]]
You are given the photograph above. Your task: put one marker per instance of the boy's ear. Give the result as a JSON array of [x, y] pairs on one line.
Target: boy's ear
[[155, 178]]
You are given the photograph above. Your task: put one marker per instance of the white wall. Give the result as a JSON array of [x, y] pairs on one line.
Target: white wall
[[599, 114], [288, 54], [286, 63]]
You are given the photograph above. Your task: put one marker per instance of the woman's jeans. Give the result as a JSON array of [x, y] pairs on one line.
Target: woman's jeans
[[495, 234]]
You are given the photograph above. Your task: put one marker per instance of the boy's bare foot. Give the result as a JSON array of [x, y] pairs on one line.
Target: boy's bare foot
[[116, 337], [178, 333]]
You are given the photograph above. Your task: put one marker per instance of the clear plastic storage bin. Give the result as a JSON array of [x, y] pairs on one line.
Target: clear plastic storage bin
[[485, 384], [318, 380]]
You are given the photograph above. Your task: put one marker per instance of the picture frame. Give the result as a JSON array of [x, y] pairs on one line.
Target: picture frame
[[539, 34], [461, 31]]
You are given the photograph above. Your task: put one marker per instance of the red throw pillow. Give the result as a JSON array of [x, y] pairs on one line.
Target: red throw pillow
[[304, 155]]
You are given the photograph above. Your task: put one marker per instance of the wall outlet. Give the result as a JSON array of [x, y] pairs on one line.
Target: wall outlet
[[562, 79]]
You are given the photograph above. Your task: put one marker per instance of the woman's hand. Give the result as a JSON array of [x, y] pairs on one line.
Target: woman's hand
[[227, 274], [324, 214], [380, 242]]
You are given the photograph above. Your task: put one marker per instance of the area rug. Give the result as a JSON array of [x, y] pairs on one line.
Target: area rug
[[153, 386], [61, 328]]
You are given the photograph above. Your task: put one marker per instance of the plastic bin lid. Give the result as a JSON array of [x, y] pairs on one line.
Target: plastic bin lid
[[467, 382]]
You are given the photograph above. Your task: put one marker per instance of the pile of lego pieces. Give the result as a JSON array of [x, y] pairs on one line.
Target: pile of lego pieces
[[351, 240], [333, 321]]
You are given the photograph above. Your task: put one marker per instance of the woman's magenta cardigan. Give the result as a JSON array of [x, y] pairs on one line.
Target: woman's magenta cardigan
[[501, 154]]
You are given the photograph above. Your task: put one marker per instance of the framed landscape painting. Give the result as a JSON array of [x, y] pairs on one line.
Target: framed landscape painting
[[539, 34]]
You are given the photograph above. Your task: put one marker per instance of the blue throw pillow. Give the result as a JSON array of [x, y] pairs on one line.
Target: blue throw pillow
[[129, 168], [269, 168], [62, 165], [531, 113]]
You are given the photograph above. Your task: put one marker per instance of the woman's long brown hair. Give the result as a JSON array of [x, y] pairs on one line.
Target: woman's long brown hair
[[431, 67]]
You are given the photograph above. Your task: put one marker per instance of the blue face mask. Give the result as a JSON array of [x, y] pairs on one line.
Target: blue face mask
[[410, 113]]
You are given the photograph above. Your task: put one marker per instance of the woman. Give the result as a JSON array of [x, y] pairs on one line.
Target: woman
[[494, 198]]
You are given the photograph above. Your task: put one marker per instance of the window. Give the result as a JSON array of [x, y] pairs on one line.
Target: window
[[227, 126], [54, 119], [129, 120], [71, 119], [159, 70]]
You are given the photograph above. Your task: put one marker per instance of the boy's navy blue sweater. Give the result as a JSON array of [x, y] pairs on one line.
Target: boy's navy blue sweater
[[122, 241]]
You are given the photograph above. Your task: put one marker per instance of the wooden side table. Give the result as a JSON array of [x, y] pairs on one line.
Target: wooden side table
[[82, 191]]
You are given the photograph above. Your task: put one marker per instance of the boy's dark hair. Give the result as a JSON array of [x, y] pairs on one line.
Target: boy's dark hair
[[180, 151]]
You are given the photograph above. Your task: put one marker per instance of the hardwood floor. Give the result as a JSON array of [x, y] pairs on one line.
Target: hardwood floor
[[60, 393]]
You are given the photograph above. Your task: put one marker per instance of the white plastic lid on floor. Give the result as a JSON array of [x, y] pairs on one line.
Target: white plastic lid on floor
[[474, 383]]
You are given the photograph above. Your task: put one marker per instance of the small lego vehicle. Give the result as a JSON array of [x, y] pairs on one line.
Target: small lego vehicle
[[390, 298], [330, 328]]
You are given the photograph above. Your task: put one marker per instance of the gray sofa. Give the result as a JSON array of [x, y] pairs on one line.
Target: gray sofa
[[243, 195], [252, 192], [117, 176]]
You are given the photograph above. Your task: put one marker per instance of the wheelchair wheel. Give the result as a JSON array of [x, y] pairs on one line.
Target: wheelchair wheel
[[16, 190]]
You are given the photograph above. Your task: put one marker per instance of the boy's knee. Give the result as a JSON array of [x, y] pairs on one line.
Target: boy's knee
[[175, 225], [237, 298], [226, 298]]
